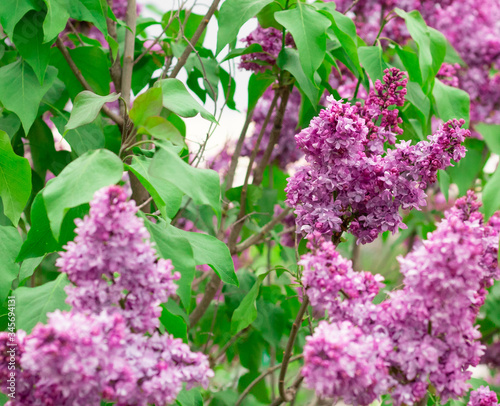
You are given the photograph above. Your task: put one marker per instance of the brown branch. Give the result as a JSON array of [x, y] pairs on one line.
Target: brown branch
[[262, 376], [116, 69], [273, 137], [237, 152], [194, 39], [210, 291], [60, 45], [284, 394], [259, 237], [128, 53]]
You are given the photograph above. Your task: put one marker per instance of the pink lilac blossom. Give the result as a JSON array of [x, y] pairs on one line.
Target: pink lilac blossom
[[271, 40], [79, 359], [340, 360], [351, 183], [483, 396], [333, 286], [429, 324], [285, 151], [113, 265]]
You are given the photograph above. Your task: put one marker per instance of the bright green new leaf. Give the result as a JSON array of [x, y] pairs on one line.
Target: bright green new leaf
[[174, 324], [232, 15], [12, 11], [162, 129], [416, 96], [308, 28], [40, 239], [491, 134], [28, 38], [246, 313], [94, 11], [33, 304], [202, 185], [25, 100], [288, 60], [253, 48], [15, 180], [491, 195], [174, 246], [10, 243], [146, 105], [177, 99], [78, 182], [86, 107], [56, 19], [371, 59], [166, 196], [211, 251], [257, 85], [451, 102]]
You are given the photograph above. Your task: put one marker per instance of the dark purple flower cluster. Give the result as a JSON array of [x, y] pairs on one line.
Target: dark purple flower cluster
[[285, 151], [351, 182], [483, 396], [98, 350], [271, 40], [429, 324]]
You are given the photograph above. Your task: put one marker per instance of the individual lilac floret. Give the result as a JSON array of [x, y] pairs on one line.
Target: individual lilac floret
[[340, 360], [431, 320], [351, 183], [271, 40], [285, 151], [332, 285], [113, 264], [483, 396]]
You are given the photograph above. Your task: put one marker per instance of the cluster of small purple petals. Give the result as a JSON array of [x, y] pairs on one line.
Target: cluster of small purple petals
[[448, 74], [340, 360], [431, 320], [331, 284], [285, 151], [271, 41], [483, 396], [113, 265]]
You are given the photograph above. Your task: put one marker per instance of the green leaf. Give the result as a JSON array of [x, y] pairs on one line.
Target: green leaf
[[28, 38], [431, 44], [78, 182], [15, 180], [146, 105], [373, 62], [174, 324], [189, 398], [451, 102], [465, 172], [444, 183], [86, 107], [28, 267], [232, 15], [308, 28], [257, 85], [166, 196], [40, 239], [177, 99], [491, 134], [33, 304], [288, 59], [253, 48], [246, 313], [491, 195], [91, 61], [56, 19], [411, 64], [10, 243], [162, 129], [93, 11], [12, 11], [202, 185], [172, 245], [21, 92], [211, 251], [416, 96], [82, 139]]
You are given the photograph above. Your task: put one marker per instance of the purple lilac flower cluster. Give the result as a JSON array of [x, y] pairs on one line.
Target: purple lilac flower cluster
[[285, 151], [98, 350], [351, 182], [271, 41], [483, 396], [429, 323]]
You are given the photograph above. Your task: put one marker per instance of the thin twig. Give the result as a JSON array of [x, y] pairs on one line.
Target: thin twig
[[60, 45], [116, 69], [262, 376], [194, 39], [351, 6], [210, 290], [237, 152]]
